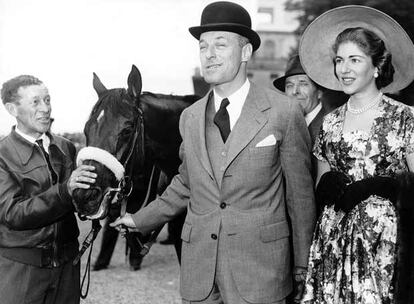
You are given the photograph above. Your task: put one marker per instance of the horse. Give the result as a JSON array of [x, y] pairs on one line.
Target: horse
[[130, 138]]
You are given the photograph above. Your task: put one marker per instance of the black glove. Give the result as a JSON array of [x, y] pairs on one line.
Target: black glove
[[386, 187], [330, 188], [406, 192]]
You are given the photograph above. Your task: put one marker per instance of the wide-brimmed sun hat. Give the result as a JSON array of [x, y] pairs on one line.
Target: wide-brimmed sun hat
[[228, 17], [315, 47]]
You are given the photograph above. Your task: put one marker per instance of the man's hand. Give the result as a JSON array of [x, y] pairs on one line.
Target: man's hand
[[125, 221], [299, 277], [81, 178]]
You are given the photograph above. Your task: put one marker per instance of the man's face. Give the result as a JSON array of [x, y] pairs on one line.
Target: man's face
[[221, 56], [32, 110], [303, 91]]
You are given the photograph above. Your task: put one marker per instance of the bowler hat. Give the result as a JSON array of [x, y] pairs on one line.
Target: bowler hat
[[293, 67], [228, 17], [316, 53]]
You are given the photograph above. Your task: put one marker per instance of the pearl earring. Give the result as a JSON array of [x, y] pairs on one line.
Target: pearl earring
[[376, 75]]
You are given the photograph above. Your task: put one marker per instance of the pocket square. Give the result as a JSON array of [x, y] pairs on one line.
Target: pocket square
[[267, 141]]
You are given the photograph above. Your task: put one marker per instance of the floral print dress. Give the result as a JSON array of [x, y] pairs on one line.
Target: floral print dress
[[352, 255]]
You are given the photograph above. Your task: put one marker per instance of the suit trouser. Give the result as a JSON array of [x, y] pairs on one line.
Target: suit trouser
[[224, 290], [26, 284]]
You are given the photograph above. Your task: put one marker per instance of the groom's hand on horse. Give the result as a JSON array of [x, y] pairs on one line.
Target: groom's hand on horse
[[124, 221], [81, 177]]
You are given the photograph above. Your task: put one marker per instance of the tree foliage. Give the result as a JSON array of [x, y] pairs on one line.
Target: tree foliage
[[401, 10]]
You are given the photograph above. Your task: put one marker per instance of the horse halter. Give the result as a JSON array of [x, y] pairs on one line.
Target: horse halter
[[125, 185], [111, 195]]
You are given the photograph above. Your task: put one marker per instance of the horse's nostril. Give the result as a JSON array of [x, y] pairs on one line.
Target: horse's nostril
[[92, 194], [87, 201]]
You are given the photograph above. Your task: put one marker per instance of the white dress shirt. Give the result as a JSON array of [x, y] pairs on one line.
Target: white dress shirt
[[310, 116], [236, 100], [45, 139]]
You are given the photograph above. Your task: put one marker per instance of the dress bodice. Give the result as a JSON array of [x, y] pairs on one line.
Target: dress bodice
[[381, 151]]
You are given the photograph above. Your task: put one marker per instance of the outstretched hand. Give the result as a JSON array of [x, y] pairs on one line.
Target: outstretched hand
[[125, 221]]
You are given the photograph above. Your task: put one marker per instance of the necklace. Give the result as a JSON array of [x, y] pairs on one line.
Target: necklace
[[368, 106]]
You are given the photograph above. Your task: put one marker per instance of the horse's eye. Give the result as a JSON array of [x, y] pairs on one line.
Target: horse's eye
[[130, 124], [125, 133]]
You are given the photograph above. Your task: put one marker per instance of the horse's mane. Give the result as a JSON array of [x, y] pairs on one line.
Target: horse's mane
[[168, 102], [110, 100]]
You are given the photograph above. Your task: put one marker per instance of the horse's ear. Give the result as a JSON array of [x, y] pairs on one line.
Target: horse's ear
[[134, 82], [97, 85]]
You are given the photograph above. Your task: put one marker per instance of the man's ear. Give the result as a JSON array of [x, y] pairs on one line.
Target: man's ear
[[320, 94], [247, 52], [11, 108]]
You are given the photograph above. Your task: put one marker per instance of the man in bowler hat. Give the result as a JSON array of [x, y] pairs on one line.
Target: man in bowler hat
[[245, 165]]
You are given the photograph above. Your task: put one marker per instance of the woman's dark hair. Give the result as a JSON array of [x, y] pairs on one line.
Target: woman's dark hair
[[372, 46]]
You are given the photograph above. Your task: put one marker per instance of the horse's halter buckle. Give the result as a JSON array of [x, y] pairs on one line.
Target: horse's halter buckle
[[113, 196]]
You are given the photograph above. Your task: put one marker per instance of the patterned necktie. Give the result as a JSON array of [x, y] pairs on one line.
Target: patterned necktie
[[222, 119], [49, 165]]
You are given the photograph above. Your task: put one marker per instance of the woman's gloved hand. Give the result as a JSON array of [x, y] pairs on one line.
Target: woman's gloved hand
[[330, 188], [383, 186]]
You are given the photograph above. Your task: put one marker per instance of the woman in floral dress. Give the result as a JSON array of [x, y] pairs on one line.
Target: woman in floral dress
[[353, 254]]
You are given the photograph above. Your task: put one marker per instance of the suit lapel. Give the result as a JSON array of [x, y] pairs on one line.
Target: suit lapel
[[251, 121], [315, 125], [199, 135]]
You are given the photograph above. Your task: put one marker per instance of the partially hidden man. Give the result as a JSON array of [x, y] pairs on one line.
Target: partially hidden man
[[241, 143], [304, 91], [38, 229]]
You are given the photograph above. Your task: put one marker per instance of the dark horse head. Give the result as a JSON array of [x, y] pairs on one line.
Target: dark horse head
[[128, 133]]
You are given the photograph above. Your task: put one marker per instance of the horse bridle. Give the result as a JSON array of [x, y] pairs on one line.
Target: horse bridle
[[124, 188], [120, 194]]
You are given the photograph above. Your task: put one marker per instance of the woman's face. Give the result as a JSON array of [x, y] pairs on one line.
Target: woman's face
[[354, 69]]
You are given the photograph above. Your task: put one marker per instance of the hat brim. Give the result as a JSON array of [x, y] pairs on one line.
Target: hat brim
[[315, 47], [279, 83], [244, 31]]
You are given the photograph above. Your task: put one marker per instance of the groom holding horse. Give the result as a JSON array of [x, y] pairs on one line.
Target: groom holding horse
[[245, 166], [38, 228]]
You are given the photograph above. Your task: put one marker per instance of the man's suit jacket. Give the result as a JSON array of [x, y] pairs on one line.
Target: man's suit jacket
[[253, 220], [315, 125], [314, 128]]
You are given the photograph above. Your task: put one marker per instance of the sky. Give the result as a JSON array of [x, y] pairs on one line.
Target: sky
[[62, 42]]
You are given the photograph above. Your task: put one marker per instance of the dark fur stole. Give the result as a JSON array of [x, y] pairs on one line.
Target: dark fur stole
[[404, 272]]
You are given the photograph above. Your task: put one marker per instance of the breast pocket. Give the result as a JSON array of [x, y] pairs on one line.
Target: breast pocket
[[263, 156]]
